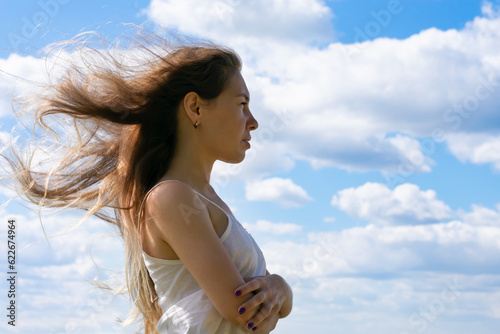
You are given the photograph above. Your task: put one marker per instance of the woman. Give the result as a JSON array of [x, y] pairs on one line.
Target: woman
[[148, 134]]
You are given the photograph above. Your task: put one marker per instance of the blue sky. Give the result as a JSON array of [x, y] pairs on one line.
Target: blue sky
[[372, 183]]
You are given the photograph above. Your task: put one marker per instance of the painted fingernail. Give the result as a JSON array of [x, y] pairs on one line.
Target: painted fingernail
[[241, 310], [237, 293], [254, 329], [250, 325]]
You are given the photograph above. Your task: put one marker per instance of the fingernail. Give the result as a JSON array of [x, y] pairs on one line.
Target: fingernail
[[250, 325], [242, 310], [254, 329], [237, 293]]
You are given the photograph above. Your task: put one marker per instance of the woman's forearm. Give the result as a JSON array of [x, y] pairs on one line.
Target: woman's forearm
[[272, 300], [286, 307]]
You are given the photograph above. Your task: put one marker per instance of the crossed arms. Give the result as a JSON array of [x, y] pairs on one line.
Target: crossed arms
[[255, 303]]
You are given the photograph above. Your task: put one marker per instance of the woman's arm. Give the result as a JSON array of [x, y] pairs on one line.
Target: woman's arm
[[286, 306], [186, 226], [271, 299]]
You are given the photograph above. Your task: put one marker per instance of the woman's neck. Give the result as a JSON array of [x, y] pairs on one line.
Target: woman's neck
[[190, 166]]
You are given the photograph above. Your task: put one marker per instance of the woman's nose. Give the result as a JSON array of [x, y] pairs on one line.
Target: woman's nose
[[252, 123]]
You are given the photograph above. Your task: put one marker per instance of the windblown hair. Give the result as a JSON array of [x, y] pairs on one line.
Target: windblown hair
[[122, 106]]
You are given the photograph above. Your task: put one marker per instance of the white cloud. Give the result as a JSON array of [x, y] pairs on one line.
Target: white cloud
[[372, 251], [404, 269], [488, 10], [331, 273], [4, 139], [411, 150], [19, 76], [264, 226], [358, 107], [7, 140], [344, 112], [406, 204], [56, 277], [426, 302], [74, 307], [281, 191], [481, 215], [302, 20], [477, 148]]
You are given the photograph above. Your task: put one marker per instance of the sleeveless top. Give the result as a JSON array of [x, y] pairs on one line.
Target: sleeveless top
[[185, 306]]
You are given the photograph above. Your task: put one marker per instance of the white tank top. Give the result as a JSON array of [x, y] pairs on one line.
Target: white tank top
[[186, 308]]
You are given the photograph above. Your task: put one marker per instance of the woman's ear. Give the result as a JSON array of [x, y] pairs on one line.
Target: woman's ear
[[191, 105]]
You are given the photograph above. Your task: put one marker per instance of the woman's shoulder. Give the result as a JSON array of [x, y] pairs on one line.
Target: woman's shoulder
[[168, 191], [172, 196]]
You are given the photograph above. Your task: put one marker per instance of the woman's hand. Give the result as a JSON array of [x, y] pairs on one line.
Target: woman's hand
[[272, 299]]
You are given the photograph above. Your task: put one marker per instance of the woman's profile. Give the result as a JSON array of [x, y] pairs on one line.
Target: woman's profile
[[147, 128]]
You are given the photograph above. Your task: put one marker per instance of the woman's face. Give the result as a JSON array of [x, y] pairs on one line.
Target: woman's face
[[228, 121]]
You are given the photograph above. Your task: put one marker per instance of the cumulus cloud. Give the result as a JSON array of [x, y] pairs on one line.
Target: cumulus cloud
[[489, 10], [481, 215], [299, 20], [375, 250], [19, 75], [424, 301], [281, 191], [406, 204], [336, 270], [55, 273], [411, 86], [361, 106], [478, 148], [346, 101], [405, 269], [432, 82]]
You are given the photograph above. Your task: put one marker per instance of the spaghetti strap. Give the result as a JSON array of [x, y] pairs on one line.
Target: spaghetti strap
[[222, 238], [217, 205], [164, 181], [146, 196]]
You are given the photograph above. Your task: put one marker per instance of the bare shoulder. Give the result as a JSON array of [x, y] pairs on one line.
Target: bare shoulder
[[175, 202], [170, 192]]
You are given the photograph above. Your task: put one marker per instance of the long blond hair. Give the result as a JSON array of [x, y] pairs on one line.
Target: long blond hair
[[122, 104]]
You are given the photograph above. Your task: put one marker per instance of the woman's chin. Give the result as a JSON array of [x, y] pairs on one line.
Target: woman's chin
[[236, 159]]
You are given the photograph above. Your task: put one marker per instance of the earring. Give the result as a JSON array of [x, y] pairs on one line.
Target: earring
[[195, 125]]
